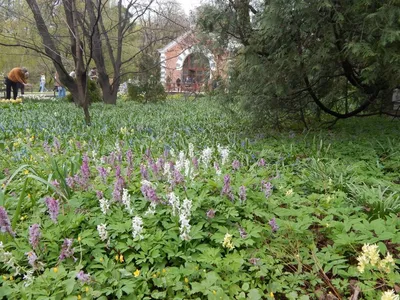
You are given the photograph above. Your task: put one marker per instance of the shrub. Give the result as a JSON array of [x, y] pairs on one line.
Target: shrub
[[93, 91], [150, 91]]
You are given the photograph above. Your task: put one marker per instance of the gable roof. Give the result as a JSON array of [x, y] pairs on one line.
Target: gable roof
[[174, 42]]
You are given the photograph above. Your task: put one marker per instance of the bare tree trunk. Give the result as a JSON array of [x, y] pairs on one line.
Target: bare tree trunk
[[76, 87]]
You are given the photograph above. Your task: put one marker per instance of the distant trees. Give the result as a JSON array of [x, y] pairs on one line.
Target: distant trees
[[73, 34], [301, 58]]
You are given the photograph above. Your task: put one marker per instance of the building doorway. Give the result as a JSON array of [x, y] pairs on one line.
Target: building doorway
[[196, 69]]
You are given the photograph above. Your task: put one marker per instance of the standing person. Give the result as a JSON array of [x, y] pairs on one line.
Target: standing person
[[16, 75], [42, 87], [93, 74], [60, 87], [178, 84]]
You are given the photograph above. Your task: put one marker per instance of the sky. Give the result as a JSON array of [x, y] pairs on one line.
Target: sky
[[187, 5]]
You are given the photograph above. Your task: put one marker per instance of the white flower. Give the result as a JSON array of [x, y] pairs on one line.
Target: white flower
[[28, 278], [224, 152], [180, 163], [188, 169], [167, 171], [389, 295], [102, 230], [172, 152], [137, 227], [173, 200], [117, 147], [126, 201], [152, 209], [205, 157], [191, 150], [104, 205], [184, 219]]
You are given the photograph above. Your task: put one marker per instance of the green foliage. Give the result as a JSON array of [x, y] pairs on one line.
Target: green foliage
[[315, 177], [301, 59], [93, 93], [149, 91]]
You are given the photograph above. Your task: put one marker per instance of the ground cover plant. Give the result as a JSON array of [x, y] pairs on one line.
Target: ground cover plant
[[181, 200]]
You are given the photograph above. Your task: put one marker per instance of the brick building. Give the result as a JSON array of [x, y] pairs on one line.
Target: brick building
[[186, 60]]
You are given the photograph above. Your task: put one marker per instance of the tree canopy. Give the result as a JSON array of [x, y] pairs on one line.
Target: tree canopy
[[303, 57]]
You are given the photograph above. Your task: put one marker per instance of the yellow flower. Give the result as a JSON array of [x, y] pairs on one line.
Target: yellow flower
[[101, 259], [116, 257], [29, 195], [11, 278], [55, 270], [79, 297], [79, 238], [4, 277], [289, 192], [271, 294], [154, 275], [186, 280], [227, 243], [86, 289], [121, 258], [26, 172], [164, 271], [136, 273], [214, 292]]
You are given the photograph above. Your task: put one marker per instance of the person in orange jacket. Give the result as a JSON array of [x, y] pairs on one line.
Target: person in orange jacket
[[16, 75]]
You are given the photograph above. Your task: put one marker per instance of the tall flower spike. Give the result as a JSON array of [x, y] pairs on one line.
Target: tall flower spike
[[34, 235], [5, 225], [53, 208], [66, 249]]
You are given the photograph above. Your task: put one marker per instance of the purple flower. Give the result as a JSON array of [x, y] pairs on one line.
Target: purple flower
[[118, 187], [55, 183], [266, 187], [211, 213], [103, 173], [47, 148], [273, 225], [143, 172], [195, 162], [53, 207], [32, 258], [85, 171], [226, 189], [70, 182], [34, 235], [149, 193], [261, 162], [84, 278], [5, 225], [235, 165], [118, 171], [99, 194], [147, 153], [66, 249], [242, 193], [56, 143], [242, 232], [254, 261], [160, 164], [178, 178], [153, 167], [129, 157]]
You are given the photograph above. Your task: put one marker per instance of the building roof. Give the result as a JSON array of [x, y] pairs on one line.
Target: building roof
[[174, 42]]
